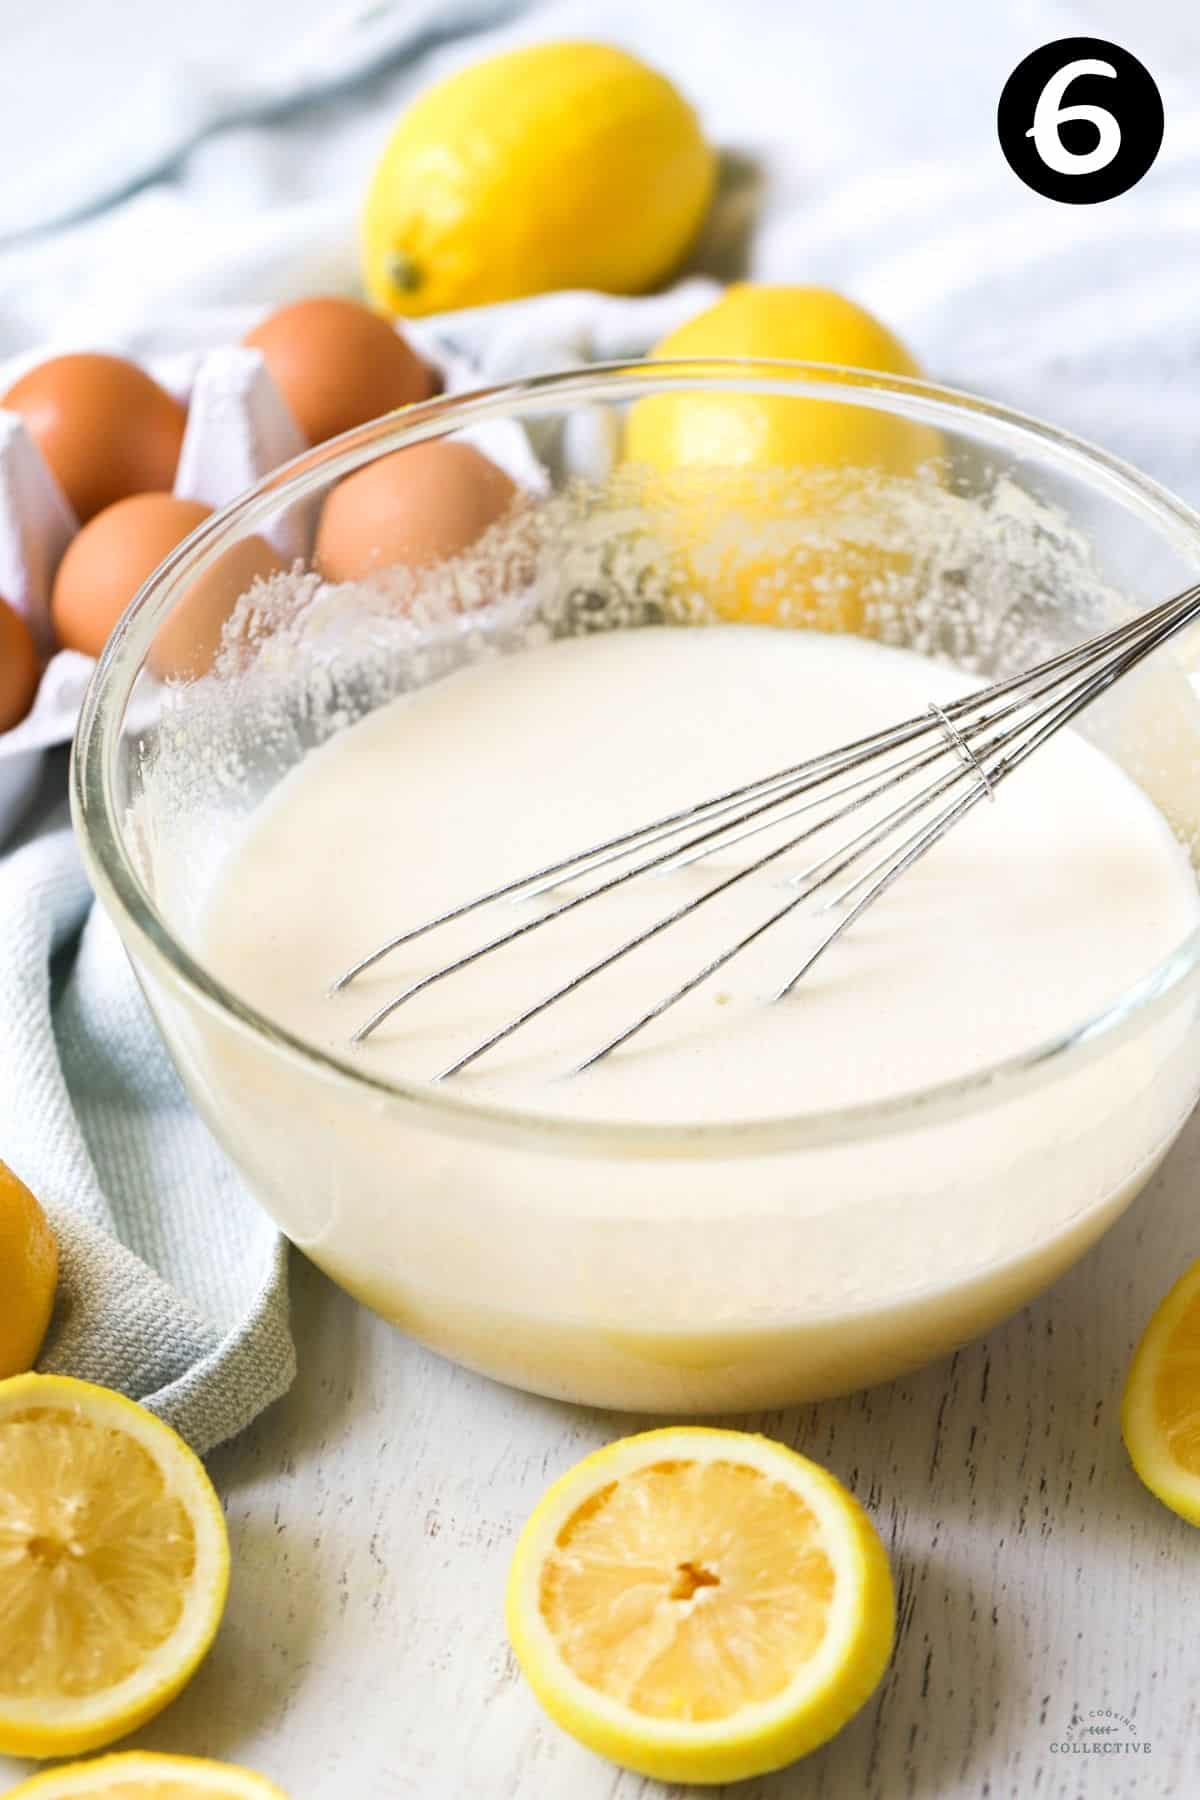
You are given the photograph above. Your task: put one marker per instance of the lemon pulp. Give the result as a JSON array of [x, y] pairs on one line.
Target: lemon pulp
[[95, 1555], [686, 1570], [1160, 1414], [1177, 1391]]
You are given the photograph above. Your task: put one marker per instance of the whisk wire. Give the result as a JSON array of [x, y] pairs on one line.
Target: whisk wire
[[1028, 709], [665, 859], [865, 840]]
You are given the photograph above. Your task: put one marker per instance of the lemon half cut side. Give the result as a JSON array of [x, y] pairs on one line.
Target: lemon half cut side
[[114, 1565], [700, 1605], [1160, 1410]]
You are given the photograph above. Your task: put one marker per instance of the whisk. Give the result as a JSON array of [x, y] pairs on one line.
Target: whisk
[[937, 766]]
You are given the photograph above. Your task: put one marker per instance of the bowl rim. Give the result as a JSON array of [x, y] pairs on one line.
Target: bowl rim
[[98, 823]]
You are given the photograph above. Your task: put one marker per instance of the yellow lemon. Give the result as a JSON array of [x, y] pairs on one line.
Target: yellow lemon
[[764, 431], [139, 1775], [114, 1565], [779, 505], [28, 1275], [700, 1605], [1160, 1411], [561, 165]]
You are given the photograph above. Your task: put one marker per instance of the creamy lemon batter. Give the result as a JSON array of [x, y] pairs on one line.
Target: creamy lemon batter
[[1028, 919], [702, 1268]]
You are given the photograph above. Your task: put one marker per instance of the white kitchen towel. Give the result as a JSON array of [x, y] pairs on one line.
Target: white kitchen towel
[[154, 110], [173, 1285], [859, 151]]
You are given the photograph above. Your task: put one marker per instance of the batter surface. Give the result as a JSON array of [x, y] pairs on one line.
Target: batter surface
[[1032, 916]]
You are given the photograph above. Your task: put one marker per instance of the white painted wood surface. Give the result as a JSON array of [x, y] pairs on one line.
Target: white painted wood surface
[[373, 1512]]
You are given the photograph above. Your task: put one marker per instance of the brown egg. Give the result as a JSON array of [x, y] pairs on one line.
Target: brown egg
[[186, 644], [415, 507], [104, 426], [338, 364], [108, 561], [18, 667]]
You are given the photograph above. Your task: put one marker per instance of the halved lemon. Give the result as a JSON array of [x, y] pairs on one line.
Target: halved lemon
[[114, 1565], [1160, 1410], [700, 1605], [139, 1776]]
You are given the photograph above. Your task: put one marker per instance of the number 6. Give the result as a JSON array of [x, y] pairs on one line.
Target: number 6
[[1050, 114]]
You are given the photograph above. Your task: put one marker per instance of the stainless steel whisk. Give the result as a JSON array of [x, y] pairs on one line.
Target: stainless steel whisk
[[984, 737]]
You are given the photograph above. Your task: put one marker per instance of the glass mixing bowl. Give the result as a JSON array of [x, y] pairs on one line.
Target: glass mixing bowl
[[639, 1266]]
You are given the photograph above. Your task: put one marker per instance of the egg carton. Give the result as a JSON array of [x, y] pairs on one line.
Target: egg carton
[[238, 429]]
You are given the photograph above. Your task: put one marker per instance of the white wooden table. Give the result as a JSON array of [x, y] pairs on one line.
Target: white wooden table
[[373, 1512]]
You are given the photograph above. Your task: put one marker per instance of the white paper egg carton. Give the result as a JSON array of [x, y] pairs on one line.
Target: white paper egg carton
[[238, 429]]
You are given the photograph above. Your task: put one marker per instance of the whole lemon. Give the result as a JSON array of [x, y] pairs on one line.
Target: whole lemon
[[778, 505], [28, 1275], [804, 324], [561, 165]]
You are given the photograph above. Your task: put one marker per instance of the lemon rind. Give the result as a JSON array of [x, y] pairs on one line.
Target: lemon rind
[[205, 1776]]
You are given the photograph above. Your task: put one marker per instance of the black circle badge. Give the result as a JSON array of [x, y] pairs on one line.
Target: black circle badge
[[1080, 120]]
